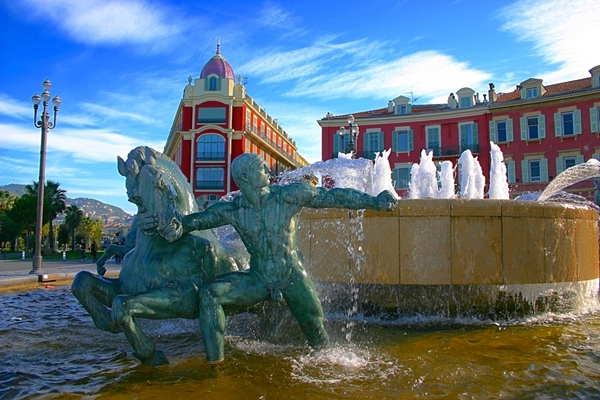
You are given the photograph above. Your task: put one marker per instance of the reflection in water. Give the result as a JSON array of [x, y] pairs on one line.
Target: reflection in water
[[50, 349]]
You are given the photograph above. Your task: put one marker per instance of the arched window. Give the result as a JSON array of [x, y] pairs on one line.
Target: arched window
[[210, 147], [210, 178], [212, 84]]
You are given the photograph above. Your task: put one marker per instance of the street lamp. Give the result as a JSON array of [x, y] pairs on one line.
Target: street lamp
[[45, 124], [353, 130]]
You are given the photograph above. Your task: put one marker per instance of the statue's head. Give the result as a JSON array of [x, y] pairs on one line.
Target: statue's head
[[242, 164]]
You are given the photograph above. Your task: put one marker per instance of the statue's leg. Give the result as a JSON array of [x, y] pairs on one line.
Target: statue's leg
[[301, 298], [239, 288], [163, 303], [96, 294]]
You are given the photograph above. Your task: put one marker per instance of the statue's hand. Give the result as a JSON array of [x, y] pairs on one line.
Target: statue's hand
[[168, 225], [386, 201]]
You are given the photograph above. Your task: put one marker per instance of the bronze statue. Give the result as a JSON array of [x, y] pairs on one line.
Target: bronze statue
[[266, 218], [158, 279]]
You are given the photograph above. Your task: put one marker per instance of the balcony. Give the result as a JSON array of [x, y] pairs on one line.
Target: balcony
[[453, 151]]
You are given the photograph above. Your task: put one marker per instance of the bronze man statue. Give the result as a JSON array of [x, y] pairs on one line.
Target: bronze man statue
[[266, 218]]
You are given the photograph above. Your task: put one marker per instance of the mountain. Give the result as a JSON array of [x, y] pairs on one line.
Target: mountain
[[94, 209]]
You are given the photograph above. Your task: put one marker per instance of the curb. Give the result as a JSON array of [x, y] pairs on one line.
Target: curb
[[14, 284]]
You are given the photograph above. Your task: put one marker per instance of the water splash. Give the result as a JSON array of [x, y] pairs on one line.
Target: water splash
[[498, 181], [570, 176], [472, 180]]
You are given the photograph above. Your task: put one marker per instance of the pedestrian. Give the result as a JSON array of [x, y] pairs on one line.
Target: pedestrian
[[94, 250], [82, 247]]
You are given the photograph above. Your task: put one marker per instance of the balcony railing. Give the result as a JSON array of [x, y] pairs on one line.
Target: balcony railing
[[453, 151], [210, 185]]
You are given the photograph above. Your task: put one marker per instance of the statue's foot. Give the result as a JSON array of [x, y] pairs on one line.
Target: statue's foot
[[156, 360]]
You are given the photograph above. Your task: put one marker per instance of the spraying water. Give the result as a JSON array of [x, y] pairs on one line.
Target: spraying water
[[570, 176], [498, 181]]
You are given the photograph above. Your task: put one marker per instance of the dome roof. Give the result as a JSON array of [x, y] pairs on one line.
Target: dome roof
[[217, 65]]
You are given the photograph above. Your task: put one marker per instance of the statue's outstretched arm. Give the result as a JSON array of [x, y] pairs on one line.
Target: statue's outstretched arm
[[213, 217], [351, 199]]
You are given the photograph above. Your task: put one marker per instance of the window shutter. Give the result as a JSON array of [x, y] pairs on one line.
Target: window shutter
[[523, 128], [525, 170], [523, 93], [366, 147], [557, 125], [206, 84], [396, 178], [380, 141], [509, 130], [395, 142], [559, 165], [542, 126], [579, 159], [219, 83], [475, 134], [593, 119], [544, 169], [411, 140], [463, 134], [493, 131], [510, 166], [577, 118], [408, 108], [596, 156], [336, 144]]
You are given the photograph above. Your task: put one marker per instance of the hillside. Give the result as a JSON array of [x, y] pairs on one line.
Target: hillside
[[93, 208]]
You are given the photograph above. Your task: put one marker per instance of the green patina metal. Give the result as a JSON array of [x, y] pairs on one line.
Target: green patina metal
[[185, 272]]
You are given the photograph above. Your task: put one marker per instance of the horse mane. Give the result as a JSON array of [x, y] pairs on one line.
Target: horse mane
[[185, 201]]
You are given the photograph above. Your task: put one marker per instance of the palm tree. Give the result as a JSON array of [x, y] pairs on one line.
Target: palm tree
[[54, 203], [7, 199], [73, 218]]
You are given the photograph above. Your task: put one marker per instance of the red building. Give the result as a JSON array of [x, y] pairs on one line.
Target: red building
[[541, 129], [215, 122]]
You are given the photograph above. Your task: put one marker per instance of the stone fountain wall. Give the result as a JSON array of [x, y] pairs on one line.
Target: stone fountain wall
[[455, 257]]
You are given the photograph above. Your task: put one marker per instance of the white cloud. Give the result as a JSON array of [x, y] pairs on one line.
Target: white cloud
[[12, 108], [427, 74], [109, 21], [117, 114], [83, 145], [563, 33]]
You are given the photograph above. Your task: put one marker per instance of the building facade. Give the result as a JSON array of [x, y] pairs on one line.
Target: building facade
[[541, 129], [215, 122]]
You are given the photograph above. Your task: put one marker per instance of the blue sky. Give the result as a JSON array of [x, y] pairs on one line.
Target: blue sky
[[120, 67]]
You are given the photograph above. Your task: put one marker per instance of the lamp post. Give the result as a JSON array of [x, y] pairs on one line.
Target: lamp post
[[353, 130], [45, 124]]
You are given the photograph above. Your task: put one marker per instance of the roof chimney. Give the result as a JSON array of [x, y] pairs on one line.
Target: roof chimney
[[390, 107], [492, 93]]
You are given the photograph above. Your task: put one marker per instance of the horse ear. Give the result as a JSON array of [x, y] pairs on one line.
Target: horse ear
[[150, 156], [122, 166]]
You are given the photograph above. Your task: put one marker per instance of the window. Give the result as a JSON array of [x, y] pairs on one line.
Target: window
[[210, 148], [248, 119], [433, 140], [403, 109], [466, 102], [340, 143], [534, 170], [403, 140], [210, 179], [469, 138], [567, 123], [563, 163], [532, 93], [401, 177], [373, 144], [254, 123], [211, 115], [501, 131], [212, 83], [594, 119], [533, 128]]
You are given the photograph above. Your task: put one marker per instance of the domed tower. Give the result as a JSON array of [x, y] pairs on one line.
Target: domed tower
[[215, 70]]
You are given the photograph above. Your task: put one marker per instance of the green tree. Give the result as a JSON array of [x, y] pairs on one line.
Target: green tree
[[7, 200], [73, 218], [23, 212], [63, 235], [54, 204]]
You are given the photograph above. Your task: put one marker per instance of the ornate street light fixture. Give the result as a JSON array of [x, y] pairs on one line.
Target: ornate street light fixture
[[45, 124], [353, 131]]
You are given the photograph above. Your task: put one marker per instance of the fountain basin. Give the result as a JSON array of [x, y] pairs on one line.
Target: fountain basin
[[455, 257]]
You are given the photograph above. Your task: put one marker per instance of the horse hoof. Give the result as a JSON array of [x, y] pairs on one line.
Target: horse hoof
[[156, 360]]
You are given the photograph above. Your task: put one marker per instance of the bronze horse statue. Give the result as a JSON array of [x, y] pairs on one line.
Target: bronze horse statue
[[158, 279]]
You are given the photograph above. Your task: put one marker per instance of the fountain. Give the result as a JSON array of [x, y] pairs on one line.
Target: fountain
[[454, 297]]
